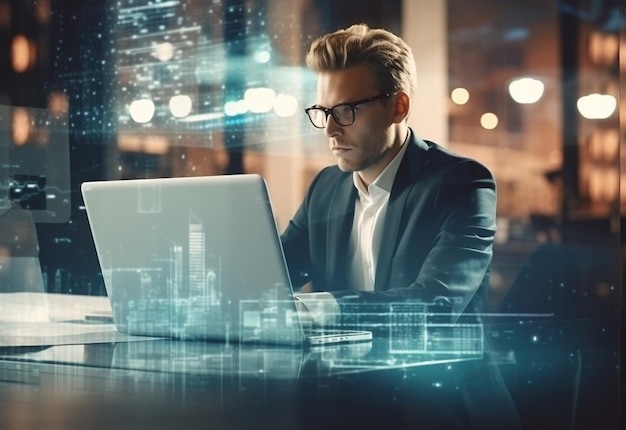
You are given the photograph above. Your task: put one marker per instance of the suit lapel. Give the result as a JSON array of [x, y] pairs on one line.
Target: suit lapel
[[407, 177], [393, 217], [340, 218]]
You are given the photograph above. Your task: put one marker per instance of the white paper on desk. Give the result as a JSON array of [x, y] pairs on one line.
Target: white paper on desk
[[24, 307], [30, 307], [61, 333]]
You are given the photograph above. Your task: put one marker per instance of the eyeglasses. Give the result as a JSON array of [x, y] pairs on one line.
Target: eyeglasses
[[343, 113]]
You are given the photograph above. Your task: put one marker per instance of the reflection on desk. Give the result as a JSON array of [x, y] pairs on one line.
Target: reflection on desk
[[212, 358], [248, 379], [555, 373]]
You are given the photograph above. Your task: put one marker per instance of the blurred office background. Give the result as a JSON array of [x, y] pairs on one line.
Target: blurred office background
[[93, 90], [185, 87]]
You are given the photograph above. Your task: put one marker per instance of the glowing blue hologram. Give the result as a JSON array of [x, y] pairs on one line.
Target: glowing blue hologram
[[407, 327], [274, 321], [461, 339], [34, 163], [415, 327]]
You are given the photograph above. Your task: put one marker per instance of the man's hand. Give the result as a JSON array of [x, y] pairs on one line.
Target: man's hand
[[317, 309], [305, 315]]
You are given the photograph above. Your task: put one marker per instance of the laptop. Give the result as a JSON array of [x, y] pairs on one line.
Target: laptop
[[197, 258]]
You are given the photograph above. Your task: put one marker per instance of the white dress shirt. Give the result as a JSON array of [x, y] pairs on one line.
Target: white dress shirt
[[322, 308], [369, 218]]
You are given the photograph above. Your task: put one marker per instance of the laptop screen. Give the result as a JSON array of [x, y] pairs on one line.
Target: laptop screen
[[196, 257]]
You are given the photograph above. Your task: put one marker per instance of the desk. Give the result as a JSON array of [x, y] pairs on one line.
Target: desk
[[555, 372]]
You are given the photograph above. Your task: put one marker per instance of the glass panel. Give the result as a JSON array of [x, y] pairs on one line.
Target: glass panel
[[129, 89], [538, 77]]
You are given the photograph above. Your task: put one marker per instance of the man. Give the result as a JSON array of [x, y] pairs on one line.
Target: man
[[398, 217]]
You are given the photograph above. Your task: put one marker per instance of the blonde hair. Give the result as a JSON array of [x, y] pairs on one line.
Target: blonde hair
[[387, 56]]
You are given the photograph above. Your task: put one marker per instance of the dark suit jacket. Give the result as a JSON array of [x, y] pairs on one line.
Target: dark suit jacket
[[436, 241]]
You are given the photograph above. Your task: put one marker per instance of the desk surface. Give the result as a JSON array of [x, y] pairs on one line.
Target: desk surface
[[554, 372]]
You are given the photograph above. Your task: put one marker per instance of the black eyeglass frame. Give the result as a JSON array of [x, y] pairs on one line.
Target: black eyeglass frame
[[352, 105]]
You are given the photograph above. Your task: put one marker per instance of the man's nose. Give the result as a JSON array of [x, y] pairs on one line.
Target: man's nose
[[332, 129]]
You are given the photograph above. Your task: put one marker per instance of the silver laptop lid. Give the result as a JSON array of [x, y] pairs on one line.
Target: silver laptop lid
[[196, 257]]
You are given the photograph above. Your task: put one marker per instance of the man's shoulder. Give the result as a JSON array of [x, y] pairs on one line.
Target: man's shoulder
[[438, 152], [444, 161]]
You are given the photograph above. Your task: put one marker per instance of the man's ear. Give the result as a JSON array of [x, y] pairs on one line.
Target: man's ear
[[402, 107]]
